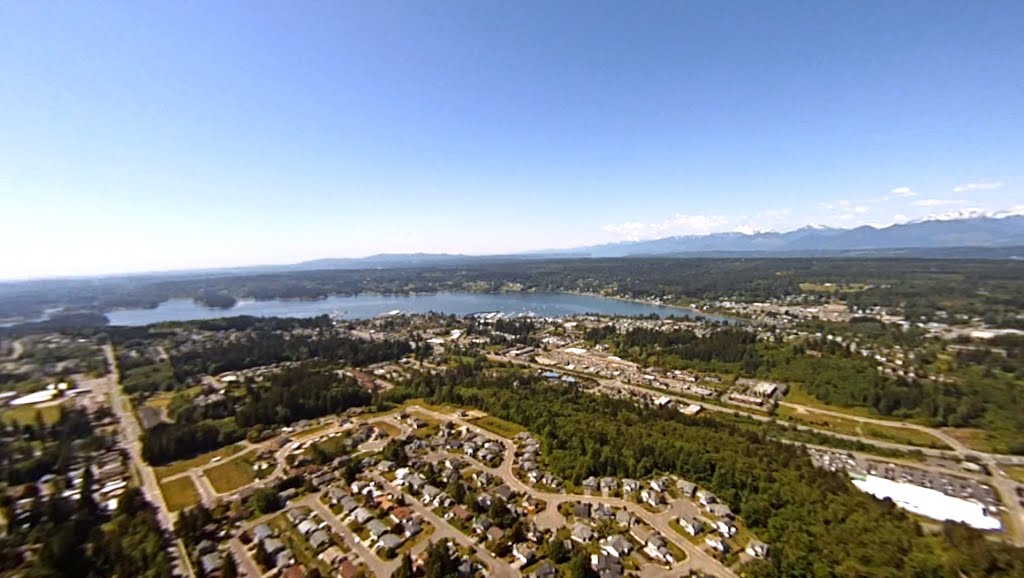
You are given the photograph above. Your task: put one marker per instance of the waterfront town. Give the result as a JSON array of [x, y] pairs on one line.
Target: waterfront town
[[402, 489]]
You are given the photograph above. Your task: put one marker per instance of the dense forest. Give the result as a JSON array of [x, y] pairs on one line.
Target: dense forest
[[993, 289], [301, 392], [817, 523]]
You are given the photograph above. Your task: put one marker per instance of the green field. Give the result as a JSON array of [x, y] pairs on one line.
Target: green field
[[902, 435], [499, 426], [976, 439], [26, 414], [182, 466], [179, 493], [231, 475], [852, 426]]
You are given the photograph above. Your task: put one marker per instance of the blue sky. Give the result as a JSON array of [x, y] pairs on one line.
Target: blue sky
[[141, 136]]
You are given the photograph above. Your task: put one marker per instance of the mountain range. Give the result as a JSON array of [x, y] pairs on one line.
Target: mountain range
[[974, 232], [963, 237]]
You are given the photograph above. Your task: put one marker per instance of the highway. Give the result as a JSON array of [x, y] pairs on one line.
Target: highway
[[130, 432]]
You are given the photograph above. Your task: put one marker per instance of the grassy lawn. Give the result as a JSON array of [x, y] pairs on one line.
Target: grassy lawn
[[851, 426], [231, 475], [903, 435], [387, 428], [840, 425], [24, 414], [976, 439], [180, 493], [1015, 472], [448, 409], [182, 466], [499, 426]]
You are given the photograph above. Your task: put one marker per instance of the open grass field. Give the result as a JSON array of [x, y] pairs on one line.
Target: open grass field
[[180, 493], [499, 426], [850, 426], [1016, 472], [27, 414], [902, 435], [182, 466], [976, 439], [231, 475], [389, 429], [839, 425]]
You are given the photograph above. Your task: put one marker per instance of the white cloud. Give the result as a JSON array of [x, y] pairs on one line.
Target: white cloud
[[936, 202], [904, 192], [977, 186], [860, 209], [678, 224]]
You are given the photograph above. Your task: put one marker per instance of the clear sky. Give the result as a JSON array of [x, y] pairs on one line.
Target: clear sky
[[164, 135]]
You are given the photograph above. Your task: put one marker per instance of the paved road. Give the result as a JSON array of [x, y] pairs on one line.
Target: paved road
[[246, 565], [129, 432]]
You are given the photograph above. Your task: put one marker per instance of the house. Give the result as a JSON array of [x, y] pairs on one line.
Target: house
[[687, 489], [460, 513], [284, 559], [606, 566], [706, 498], [642, 533], [625, 518], [389, 542], [630, 486], [481, 524], [544, 570], [297, 514], [262, 532], [335, 494], [332, 556], [411, 528], [660, 484], [757, 549], [657, 549], [272, 546], [582, 533], [211, 563], [581, 511], [719, 510], [725, 528], [431, 493], [306, 527], [319, 540], [506, 493], [361, 515], [377, 528], [616, 546], [693, 526], [495, 533], [651, 498], [717, 544], [591, 484], [348, 504], [401, 514], [608, 485], [524, 552], [602, 512]]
